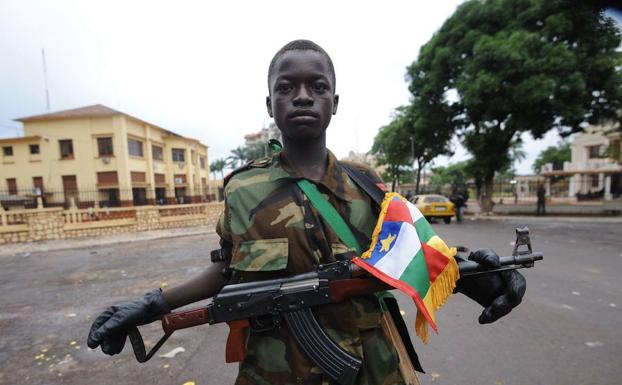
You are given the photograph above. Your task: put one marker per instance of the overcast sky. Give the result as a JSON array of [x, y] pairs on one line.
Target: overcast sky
[[199, 68]]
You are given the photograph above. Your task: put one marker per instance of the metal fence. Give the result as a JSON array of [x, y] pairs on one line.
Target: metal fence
[[106, 197], [576, 188]]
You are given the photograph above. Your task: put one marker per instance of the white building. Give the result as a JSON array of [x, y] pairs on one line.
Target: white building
[[591, 170]]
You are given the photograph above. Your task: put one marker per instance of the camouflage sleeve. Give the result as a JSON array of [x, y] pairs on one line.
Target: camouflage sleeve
[[223, 229]]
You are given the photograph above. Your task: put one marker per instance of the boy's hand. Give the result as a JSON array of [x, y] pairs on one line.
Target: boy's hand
[[498, 292], [110, 329]]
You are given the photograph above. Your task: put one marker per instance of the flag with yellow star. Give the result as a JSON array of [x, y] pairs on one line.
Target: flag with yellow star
[[406, 253]]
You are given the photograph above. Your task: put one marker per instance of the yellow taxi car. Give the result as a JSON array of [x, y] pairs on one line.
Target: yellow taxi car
[[435, 206]]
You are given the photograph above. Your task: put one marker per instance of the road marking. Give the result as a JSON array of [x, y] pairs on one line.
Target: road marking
[[595, 344]]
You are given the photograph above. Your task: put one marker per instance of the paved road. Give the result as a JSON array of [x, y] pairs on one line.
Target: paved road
[[566, 331]]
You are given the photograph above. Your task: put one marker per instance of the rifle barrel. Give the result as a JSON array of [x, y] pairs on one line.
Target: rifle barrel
[[507, 263]]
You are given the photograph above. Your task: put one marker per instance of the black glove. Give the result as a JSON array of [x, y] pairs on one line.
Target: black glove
[[498, 292], [110, 329]]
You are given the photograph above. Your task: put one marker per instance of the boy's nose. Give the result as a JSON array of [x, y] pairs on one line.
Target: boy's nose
[[303, 97]]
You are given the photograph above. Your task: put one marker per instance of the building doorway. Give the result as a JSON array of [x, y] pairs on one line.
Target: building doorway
[[139, 196], [109, 197], [180, 195], [616, 185], [160, 195], [70, 190]]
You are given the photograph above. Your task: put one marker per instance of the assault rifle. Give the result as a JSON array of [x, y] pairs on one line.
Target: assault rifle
[[266, 304]]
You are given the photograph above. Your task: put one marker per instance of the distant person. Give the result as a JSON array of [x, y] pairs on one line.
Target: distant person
[[541, 210], [459, 197]]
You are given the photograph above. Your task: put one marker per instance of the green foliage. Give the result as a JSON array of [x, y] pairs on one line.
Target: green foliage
[[218, 165], [498, 68], [456, 173], [238, 157], [392, 150], [414, 136], [553, 154], [244, 154]]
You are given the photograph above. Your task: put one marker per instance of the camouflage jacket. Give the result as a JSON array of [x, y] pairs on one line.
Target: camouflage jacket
[[274, 231]]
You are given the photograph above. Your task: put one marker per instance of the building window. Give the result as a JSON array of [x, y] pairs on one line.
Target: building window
[[66, 149], [157, 153], [593, 152], [138, 177], [7, 151], [12, 185], [108, 178], [34, 149], [179, 179], [179, 155], [202, 162], [159, 178], [135, 147], [104, 146]]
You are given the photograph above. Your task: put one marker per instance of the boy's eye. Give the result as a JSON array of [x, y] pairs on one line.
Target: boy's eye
[[283, 87], [319, 87]]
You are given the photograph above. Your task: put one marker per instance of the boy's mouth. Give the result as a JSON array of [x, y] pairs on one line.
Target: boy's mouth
[[303, 115]]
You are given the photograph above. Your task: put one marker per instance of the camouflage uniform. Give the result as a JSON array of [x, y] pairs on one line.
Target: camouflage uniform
[[274, 231]]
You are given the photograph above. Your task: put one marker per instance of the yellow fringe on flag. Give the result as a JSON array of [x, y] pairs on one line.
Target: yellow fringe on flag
[[442, 287]]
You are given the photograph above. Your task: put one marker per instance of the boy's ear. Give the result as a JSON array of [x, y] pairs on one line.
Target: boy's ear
[[269, 106], [335, 103]]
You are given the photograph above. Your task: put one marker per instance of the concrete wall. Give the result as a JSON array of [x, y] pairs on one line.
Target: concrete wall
[[57, 223]]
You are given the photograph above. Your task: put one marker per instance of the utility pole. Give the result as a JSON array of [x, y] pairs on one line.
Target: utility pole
[[45, 79]]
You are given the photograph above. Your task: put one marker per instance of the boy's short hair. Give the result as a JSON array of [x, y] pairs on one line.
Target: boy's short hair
[[302, 45]]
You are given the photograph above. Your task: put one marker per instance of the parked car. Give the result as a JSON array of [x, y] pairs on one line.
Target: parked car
[[435, 206]]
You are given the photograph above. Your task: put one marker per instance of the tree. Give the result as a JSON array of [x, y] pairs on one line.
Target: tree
[[556, 155], [498, 68], [414, 136], [238, 157], [218, 165], [392, 150]]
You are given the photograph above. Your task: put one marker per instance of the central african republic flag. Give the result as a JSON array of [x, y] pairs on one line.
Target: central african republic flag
[[407, 254]]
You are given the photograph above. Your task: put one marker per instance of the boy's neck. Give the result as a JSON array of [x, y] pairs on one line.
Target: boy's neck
[[308, 158]]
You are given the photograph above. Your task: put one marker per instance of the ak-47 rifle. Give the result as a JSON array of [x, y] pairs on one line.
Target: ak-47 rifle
[[265, 304]]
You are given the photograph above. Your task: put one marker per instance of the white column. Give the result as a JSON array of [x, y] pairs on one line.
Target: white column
[[608, 196], [572, 186]]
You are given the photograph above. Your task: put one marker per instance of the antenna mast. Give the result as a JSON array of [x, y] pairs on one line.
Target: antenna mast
[[45, 79]]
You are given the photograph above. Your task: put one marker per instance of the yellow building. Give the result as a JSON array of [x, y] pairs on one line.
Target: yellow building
[[99, 156]]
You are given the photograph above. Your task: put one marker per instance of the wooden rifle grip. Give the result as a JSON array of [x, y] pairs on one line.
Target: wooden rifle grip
[[236, 341], [185, 319]]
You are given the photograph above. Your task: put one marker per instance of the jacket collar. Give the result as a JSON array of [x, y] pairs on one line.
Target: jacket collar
[[334, 179]]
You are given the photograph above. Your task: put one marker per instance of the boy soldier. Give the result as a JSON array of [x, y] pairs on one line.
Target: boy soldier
[[269, 230]]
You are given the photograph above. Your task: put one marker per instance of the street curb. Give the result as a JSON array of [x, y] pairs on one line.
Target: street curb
[[86, 242], [586, 219]]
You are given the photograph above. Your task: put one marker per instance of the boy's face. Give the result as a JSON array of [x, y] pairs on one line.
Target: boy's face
[[302, 95]]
